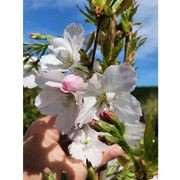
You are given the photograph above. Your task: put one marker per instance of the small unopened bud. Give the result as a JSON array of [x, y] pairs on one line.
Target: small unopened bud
[[104, 140], [72, 83], [93, 124], [108, 139], [108, 116], [37, 36]]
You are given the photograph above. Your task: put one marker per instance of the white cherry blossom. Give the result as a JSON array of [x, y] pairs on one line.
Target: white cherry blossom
[[58, 100], [86, 145], [64, 53], [111, 91]]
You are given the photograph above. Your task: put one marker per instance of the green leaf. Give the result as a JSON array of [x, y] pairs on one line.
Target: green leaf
[[125, 22], [89, 18], [141, 42], [117, 49], [150, 142], [126, 173], [91, 174], [124, 6], [132, 11], [89, 11], [106, 46], [90, 41], [115, 5], [136, 23]]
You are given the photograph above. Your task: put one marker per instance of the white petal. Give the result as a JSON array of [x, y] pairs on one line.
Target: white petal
[[94, 155], [66, 119], [66, 59], [29, 81], [74, 34], [86, 145], [51, 101], [119, 78], [29, 78], [60, 43], [77, 135], [51, 78], [95, 85], [95, 147], [126, 107], [75, 149], [134, 133], [87, 111], [50, 61]]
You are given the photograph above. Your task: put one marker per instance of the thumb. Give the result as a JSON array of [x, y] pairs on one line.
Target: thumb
[[112, 152]]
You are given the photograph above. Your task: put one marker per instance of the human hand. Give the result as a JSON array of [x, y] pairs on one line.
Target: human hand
[[42, 149]]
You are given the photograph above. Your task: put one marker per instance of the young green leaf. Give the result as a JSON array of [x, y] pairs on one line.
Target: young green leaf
[[90, 41], [124, 6], [89, 18]]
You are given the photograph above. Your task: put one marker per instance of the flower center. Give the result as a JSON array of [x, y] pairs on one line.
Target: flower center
[[66, 58], [68, 99], [85, 140], [102, 99]]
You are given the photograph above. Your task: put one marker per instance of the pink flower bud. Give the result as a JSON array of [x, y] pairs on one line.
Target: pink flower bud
[[94, 125], [72, 83], [103, 139], [108, 116]]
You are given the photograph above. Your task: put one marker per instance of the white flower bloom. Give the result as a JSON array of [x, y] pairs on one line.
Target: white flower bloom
[[29, 74], [86, 145], [64, 53], [56, 97], [111, 91]]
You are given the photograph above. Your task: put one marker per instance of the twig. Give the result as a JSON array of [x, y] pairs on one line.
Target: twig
[[128, 39], [127, 46], [95, 46]]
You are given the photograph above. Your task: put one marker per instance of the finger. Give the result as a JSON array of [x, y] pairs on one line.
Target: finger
[[112, 152], [38, 126], [50, 120]]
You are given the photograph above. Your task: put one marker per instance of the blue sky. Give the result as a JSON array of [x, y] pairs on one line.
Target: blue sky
[[52, 16]]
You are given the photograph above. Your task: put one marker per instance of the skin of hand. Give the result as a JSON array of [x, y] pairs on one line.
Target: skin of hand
[[42, 149]]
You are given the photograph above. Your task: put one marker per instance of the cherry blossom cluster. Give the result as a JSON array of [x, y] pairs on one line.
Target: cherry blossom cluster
[[77, 97]]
